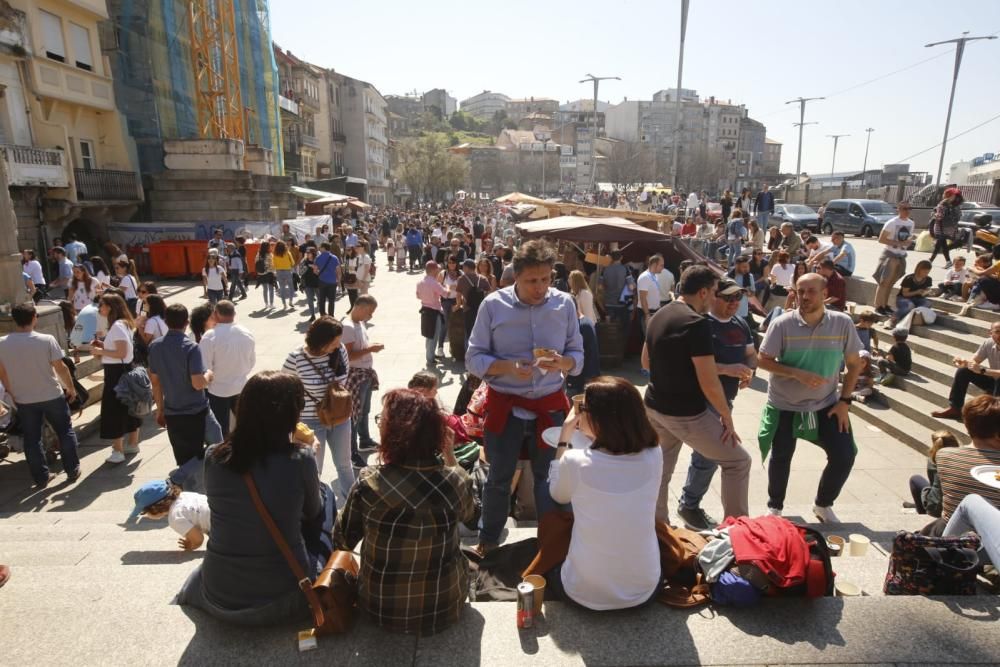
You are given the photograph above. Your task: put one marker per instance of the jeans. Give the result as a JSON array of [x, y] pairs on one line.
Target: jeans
[[975, 513], [762, 217], [839, 448], [359, 429], [960, 386], [317, 532], [268, 292], [56, 412], [311, 299], [502, 451], [285, 286], [591, 358], [917, 485], [327, 292], [188, 434], [699, 478], [904, 305], [735, 249], [430, 344], [236, 282], [414, 253], [338, 439], [221, 407], [944, 245], [215, 296]]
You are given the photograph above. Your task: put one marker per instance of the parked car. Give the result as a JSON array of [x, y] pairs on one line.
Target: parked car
[[713, 210], [864, 217], [801, 216]]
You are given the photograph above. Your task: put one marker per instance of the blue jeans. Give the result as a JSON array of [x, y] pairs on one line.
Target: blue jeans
[[699, 478], [430, 344], [502, 451], [215, 296], [56, 412], [285, 286], [338, 439], [904, 305], [268, 293], [311, 300], [359, 429], [762, 217], [975, 513], [446, 306], [735, 248]]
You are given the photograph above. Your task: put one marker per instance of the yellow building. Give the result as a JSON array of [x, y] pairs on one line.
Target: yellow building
[[69, 160]]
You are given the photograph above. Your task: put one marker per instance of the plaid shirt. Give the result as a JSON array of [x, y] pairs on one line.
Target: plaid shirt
[[355, 378], [413, 576]]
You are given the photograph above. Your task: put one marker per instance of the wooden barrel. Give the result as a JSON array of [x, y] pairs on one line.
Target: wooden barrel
[[611, 344]]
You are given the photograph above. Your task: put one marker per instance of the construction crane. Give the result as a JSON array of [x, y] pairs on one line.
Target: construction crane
[[216, 65]]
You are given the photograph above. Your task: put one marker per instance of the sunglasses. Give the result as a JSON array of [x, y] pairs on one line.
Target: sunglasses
[[729, 298]]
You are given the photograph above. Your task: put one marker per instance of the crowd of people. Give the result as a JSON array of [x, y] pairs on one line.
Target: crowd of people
[[522, 318]]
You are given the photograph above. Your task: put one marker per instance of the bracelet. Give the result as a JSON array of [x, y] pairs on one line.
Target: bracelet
[[567, 445], [846, 399]]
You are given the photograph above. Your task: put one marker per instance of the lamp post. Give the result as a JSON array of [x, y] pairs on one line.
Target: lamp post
[[677, 105], [593, 139], [836, 138], [959, 50], [864, 168], [802, 122]]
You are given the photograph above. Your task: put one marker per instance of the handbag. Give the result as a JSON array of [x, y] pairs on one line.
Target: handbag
[[337, 403], [333, 597], [924, 565]]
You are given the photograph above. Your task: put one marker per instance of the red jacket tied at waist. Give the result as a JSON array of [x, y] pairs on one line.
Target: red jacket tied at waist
[[773, 544], [499, 407]]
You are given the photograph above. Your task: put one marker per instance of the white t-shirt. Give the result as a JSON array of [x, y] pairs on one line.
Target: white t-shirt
[[34, 269], [129, 286], [650, 284], [783, 275], [900, 231], [103, 278], [361, 266], [156, 327], [614, 508], [117, 335], [356, 335], [190, 510], [213, 278], [85, 294], [586, 300], [666, 279]]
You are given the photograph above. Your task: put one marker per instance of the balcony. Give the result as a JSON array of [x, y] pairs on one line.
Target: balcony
[[339, 137], [108, 185], [288, 105], [28, 166], [309, 141], [293, 161]]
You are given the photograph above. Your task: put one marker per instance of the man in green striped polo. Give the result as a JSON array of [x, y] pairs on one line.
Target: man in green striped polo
[[804, 351]]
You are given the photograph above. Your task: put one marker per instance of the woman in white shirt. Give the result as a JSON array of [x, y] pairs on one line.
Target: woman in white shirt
[[584, 297], [82, 288], [101, 272], [128, 284], [32, 267], [115, 352], [151, 325], [613, 486], [781, 274]]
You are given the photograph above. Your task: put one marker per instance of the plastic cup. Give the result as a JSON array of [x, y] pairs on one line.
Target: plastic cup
[[845, 589], [837, 544], [577, 402], [537, 582], [858, 545]]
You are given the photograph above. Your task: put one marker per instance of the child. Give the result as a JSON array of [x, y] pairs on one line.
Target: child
[[864, 387], [926, 492], [899, 360], [466, 450], [866, 332], [390, 251], [957, 275], [400, 252], [187, 513]]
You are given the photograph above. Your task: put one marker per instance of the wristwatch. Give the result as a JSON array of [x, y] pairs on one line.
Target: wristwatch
[[567, 445], [846, 399]]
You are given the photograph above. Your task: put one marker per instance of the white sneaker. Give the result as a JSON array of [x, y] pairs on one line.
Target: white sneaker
[[773, 511], [131, 450], [825, 514], [115, 458]]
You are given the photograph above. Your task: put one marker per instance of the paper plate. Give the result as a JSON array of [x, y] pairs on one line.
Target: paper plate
[[985, 474], [550, 437]]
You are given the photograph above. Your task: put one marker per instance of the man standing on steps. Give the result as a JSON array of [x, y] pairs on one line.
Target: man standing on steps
[[685, 401], [764, 206], [648, 287], [179, 379], [736, 361], [35, 377], [972, 371], [804, 350], [229, 351]]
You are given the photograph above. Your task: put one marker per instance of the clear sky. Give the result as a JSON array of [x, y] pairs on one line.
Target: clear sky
[[759, 53]]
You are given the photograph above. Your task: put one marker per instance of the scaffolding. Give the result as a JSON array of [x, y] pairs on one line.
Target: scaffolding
[[173, 83]]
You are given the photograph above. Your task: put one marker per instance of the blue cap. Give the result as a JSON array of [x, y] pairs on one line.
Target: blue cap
[[149, 493]]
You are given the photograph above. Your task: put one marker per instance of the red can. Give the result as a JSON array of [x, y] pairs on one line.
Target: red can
[[525, 605]]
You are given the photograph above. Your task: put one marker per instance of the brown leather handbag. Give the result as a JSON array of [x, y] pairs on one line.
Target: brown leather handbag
[[333, 597], [337, 403]]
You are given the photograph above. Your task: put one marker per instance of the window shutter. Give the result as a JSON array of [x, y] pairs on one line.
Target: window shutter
[[82, 54], [52, 36]]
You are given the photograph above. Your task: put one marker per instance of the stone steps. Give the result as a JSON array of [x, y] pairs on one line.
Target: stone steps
[[959, 341]]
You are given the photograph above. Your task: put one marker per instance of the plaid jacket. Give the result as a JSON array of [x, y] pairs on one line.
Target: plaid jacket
[[413, 576]]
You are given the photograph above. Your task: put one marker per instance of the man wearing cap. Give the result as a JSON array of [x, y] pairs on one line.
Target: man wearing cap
[[804, 350], [736, 361]]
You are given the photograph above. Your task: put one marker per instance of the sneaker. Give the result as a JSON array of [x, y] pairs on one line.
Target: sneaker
[[774, 511], [947, 265], [73, 475], [131, 450], [42, 483], [696, 518], [825, 514], [369, 446], [115, 457]]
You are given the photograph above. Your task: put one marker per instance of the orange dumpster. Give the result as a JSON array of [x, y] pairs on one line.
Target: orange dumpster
[[196, 252], [252, 250], [168, 259]]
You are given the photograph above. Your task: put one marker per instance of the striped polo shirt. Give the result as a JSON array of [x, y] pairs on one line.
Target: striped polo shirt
[[954, 466], [820, 349], [316, 374]]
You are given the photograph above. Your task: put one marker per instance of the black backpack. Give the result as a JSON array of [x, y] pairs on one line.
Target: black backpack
[[476, 294], [260, 265]]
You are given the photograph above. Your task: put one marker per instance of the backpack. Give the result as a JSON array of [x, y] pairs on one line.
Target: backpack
[[476, 294], [260, 265], [819, 575]]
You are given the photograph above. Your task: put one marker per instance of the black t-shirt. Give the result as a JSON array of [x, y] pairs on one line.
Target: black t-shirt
[[674, 335], [730, 340], [911, 283], [902, 356]]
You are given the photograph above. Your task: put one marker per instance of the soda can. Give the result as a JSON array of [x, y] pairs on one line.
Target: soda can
[[525, 605]]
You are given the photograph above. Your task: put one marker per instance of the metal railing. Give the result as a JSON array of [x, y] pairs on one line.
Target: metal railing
[[107, 185]]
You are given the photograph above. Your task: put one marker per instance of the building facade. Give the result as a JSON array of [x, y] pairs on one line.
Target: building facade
[[330, 127], [300, 84], [518, 109], [485, 104], [366, 156], [772, 161], [70, 163], [439, 103]]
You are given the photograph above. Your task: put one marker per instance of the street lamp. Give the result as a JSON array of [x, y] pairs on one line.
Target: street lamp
[[864, 168], [959, 50], [593, 140], [677, 102], [802, 122], [836, 138]]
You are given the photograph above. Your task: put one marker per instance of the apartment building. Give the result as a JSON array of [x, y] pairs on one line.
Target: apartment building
[[518, 109], [483, 105], [365, 115], [299, 89], [330, 127]]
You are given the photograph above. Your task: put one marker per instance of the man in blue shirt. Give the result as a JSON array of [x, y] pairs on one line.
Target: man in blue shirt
[[327, 267], [414, 246], [76, 251], [764, 206], [179, 379], [525, 339], [842, 254]]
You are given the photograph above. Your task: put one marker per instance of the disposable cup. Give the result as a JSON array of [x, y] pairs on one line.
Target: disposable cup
[[837, 544], [858, 545], [577, 403], [538, 583], [846, 589]]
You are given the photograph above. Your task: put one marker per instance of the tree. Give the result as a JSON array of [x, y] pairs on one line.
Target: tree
[[629, 165], [702, 168], [428, 168]]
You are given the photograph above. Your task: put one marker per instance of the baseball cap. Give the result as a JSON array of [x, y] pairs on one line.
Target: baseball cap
[[147, 494], [728, 287]]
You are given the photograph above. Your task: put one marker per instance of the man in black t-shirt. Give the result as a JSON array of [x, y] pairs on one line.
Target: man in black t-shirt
[[685, 401]]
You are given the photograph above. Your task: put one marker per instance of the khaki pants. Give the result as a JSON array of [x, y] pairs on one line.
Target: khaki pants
[[893, 269], [703, 433]]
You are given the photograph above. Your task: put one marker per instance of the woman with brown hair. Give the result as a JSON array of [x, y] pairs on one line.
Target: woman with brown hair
[[413, 575], [612, 485], [485, 268], [283, 264], [115, 352]]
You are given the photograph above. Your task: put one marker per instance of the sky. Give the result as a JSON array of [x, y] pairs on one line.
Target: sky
[[760, 54]]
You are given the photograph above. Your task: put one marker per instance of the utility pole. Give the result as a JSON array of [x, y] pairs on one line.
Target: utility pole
[[677, 111], [959, 43], [802, 122], [864, 169], [836, 138], [593, 140]]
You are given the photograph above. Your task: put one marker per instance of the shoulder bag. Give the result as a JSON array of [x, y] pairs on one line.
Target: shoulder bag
[[336, 405], [333, 597], [924, 565]]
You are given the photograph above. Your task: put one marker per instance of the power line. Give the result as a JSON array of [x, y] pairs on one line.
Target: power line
[[954, 136]]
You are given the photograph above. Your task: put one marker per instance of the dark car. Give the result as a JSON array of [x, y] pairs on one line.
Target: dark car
[[864, 217]]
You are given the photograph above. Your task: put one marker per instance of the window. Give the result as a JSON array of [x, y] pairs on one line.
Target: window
[[87, 159], [80, 38], [52, 36]]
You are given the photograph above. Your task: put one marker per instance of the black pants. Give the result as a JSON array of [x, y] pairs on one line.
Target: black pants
[[326, 292], [186, 434], [839, 448], [887, 366], [943, 245], [414, 251], [960, 386], [917, 485], [842, 270], [236, 283]]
